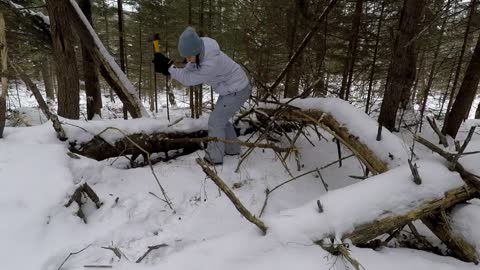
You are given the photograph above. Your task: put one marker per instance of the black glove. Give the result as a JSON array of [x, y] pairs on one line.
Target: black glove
[[162, 63]]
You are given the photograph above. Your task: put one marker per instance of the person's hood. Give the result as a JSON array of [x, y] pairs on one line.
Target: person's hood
[[210, 49]]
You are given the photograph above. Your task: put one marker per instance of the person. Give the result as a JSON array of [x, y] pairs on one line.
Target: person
[[207, 64]]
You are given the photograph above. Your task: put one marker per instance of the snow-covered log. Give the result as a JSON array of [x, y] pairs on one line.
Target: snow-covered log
[[381, 204]]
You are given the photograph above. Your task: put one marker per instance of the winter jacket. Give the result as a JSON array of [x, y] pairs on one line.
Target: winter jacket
[[216, 69]]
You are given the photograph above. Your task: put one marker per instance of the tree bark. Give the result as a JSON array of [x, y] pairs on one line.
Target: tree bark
[[110, 71], [92, 84], [47, 79], [372, 71], [401, 72], [459, 67], [3, 74], [66, 67], [463, 102], [352, 52], [291, 89], [426, 92], [121, 45]]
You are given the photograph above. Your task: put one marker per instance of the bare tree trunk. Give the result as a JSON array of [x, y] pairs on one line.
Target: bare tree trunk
[[140, 64], [418, 78], [477, 113], [92, 83], [3, 74], [446, 92], [66, 67], [354, 44], [47, 79], [372, 71], [426, 92], [459, 67], [290, 89], [107, 37], [121, 45], [401, 73], [466, 94], [191, 89]]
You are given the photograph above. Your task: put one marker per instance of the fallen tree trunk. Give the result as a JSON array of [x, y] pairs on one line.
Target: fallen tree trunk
[[462, 249], [100, 149], [330, 124]]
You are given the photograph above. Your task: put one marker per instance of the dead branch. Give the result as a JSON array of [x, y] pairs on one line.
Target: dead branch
[[150, 248], [441, 137], [462, 149], [236, 202], [340, 250], [469, 178], [71, 254], [77, 197]]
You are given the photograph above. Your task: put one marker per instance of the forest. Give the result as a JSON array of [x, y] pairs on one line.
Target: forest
[[119, 122]]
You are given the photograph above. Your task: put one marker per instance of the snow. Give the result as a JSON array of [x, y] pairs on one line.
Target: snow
[[391, 149], [206, 232], [75, 129]]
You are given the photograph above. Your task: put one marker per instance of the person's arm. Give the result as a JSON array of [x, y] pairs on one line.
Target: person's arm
[[191, 76]]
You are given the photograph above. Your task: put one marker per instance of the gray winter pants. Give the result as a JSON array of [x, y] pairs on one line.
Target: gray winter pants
[[220, 127]]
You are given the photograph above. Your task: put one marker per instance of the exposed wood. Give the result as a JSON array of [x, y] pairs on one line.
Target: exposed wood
[[238, 204], [439, 225]]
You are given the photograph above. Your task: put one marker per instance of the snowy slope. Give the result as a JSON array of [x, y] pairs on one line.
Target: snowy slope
[[206, 232]]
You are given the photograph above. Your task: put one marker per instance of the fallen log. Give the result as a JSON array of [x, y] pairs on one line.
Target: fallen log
[[99, 149], [368, 231], [330, 124]]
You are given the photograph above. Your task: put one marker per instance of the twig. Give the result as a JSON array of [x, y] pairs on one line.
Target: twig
[[236, 202], [71, 254], [150, 248], [97, 266]]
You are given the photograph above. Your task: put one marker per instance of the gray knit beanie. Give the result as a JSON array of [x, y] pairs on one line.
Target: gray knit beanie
[[189, 43]]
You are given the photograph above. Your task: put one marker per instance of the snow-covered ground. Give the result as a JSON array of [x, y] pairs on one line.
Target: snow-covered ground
[[205, 232]]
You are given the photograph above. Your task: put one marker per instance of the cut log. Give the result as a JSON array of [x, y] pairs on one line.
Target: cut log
[[330, 124]]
